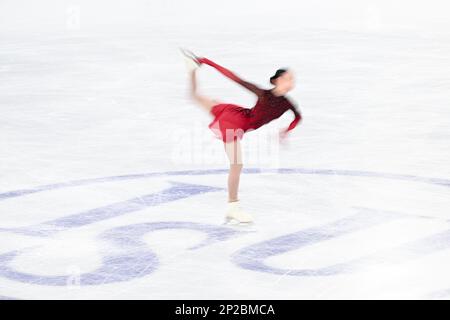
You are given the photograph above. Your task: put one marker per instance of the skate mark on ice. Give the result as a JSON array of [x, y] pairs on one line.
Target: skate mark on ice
[[114, 268], [82, 182], [132, 259], [90, 216], [253, 257], [408, 251], [352, 173], [176, 192]]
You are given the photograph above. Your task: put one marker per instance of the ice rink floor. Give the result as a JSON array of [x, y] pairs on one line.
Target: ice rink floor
[[113, 187]]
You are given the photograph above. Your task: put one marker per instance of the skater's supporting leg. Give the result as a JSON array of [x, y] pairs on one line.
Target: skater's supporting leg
[[235, 213], [233, 182], [205, 102], [234, 153]]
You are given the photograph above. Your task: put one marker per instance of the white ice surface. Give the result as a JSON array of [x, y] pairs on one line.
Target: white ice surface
[[372, 152]]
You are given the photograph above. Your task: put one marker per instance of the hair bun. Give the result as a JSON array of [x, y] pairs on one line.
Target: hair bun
[[277, 74]]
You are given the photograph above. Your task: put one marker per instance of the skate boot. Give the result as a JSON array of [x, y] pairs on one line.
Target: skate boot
[[190, 60], [236, 214]]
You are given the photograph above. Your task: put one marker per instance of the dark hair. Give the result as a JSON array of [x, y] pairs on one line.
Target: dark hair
[[277, 74]]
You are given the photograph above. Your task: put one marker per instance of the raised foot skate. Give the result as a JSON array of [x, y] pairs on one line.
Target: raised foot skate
[[190, 59]]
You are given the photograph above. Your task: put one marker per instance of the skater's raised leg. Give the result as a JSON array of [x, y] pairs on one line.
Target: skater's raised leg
[[192, 65], [205, 102]]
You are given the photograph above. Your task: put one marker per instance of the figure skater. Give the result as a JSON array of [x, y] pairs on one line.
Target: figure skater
[[232, 121]]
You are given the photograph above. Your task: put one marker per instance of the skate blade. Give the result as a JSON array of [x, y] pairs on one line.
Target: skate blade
[[234, 222], [189, 54]]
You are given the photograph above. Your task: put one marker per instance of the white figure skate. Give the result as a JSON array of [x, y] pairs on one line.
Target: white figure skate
[[236, 215], [190, 60]]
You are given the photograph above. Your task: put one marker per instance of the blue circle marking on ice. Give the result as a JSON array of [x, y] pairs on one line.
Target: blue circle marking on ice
[[176, 191], [337, 172], [133, 259]]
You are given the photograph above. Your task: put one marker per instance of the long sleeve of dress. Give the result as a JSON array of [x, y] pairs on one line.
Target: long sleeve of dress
[[296, 120], [229, 74]]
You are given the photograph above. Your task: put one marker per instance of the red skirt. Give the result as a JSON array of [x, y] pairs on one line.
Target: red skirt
[[230, 121]]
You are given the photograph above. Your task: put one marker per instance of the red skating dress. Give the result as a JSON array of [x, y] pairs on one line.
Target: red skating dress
[[232, 121]]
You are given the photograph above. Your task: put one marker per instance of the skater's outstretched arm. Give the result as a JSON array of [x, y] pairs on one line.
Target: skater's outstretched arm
[[227, 73]]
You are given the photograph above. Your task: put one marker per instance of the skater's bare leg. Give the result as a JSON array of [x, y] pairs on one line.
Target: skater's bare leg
[[205, 102], [233, 182], [235, 213], [234, 153]]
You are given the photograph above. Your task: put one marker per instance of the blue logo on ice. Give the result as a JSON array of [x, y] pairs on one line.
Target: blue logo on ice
[[132, 258]]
